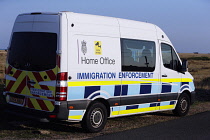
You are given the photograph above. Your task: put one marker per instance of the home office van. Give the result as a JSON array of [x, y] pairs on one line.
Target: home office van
[[87, 68]]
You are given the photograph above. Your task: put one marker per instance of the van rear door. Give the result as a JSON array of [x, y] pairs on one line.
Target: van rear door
[[32, 62]]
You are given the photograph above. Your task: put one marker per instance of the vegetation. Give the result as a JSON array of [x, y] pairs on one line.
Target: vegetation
[[2, 65], [199, 67], [198, 58]]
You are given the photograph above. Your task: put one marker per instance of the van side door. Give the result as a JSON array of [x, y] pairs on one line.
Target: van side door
[[170, 76], [140, 76]]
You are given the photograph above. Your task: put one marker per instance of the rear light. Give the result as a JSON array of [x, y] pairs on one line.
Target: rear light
[[61, 87], [62, 76], [52, 116]]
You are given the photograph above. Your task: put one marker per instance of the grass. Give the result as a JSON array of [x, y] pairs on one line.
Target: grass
[[12, 127], [198, 58], [3, 55], [199, 67]]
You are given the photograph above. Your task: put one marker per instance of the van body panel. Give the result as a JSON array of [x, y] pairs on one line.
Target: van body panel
[[92, 25], [137, 30], [161, 35], [94, 76], [63, 43]]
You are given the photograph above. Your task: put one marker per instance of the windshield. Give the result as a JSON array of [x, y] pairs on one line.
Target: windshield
[[33, 51]]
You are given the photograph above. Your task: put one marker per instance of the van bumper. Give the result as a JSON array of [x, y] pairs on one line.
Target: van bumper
[[192, 97], [60, 112]]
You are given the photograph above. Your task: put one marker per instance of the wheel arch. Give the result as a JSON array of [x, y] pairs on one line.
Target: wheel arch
[[188, 93], [103, 101]]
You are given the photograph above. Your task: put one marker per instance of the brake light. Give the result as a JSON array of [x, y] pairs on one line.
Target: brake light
[[61, 87], [52, 116], [62, 76]]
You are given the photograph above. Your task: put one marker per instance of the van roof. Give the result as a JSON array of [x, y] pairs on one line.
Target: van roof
[[57, 13], [123, 22]]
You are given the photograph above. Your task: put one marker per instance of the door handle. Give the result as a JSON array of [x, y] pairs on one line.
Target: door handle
[[31, 82], [164, 75]]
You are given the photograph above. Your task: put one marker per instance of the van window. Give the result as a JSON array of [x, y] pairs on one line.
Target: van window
[[138, 55], [33, 51], [170, 59]]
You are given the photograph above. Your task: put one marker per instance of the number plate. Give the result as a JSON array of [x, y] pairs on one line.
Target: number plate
[[16, 100]]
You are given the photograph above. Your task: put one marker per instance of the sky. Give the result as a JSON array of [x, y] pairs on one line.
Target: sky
[[186, 22]]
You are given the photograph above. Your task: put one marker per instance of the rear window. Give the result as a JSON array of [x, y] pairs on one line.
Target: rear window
[[33, 51]]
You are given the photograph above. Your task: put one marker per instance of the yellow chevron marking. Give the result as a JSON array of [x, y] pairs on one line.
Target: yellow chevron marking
[[55, 70], [52, 89], [58, 69], [7, 82], [43, 74], [35, 104], [18, 82], [37, 86], [23, 92], [31, 76], [13, 70], [49, 105]]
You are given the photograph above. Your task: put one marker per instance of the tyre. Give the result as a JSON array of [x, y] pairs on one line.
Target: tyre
[[95, 117], [183, 105]]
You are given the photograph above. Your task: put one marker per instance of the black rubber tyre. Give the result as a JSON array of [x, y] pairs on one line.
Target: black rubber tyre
[[183, 105], [95, 118]]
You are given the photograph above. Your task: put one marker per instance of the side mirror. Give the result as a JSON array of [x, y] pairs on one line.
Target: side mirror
[[184, 66]]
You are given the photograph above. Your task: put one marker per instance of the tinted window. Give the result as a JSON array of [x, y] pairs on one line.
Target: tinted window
[[138, 55], [170, 59], [33, 51]]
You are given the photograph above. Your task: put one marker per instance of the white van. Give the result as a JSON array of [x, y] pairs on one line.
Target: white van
[[87, 68]]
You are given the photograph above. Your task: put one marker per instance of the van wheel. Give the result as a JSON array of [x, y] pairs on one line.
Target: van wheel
[[95, 118], [183, 105]]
